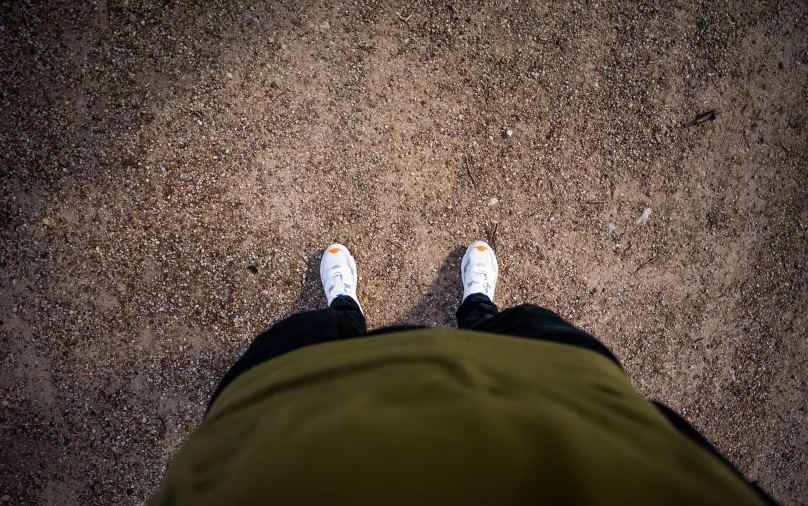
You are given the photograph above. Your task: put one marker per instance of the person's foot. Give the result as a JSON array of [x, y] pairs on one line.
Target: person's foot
[[479, 270], [338, 272]]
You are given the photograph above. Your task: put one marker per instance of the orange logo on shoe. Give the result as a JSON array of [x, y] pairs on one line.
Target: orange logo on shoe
[[334, 251], [480, 248]]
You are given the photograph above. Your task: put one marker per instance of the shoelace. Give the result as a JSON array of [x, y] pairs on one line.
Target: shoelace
[[479, 277], [338, 278]]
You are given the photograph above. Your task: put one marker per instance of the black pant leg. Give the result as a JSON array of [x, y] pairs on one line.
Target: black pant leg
[[475, 309], [342, 320], [528, 321]]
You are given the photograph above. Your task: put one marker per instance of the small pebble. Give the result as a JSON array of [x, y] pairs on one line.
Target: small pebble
[[644, 216], [493, 201]]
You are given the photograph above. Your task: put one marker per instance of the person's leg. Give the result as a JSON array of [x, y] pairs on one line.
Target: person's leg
[[534, 322], [479, 271], [475, 309], [343, 319]]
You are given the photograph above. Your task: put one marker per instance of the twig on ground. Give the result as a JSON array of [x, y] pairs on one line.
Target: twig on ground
[[468, 171], [707, 116], [493, 238], [643, 265]]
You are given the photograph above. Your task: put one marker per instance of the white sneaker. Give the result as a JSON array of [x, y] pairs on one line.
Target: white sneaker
[[479, 270], [338, 272]]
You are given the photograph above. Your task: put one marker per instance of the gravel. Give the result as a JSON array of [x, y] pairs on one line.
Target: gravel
[[169, 174]]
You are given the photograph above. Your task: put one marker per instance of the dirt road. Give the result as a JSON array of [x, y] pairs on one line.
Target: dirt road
[[169, 174]]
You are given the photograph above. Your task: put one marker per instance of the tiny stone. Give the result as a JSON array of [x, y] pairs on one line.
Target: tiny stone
[[509, 133], [493, 201], [144, 420], [5, 498], [611, 226], [46, 222], [229, 75], [132, 18], [644, 216]]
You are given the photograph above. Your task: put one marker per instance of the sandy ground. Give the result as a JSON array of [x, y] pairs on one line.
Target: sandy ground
[[170, 174]]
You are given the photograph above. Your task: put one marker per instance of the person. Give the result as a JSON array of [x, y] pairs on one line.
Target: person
[[513, 407]]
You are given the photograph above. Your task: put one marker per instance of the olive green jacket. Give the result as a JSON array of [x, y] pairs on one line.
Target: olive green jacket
[[440, 416]]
